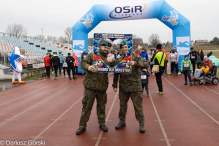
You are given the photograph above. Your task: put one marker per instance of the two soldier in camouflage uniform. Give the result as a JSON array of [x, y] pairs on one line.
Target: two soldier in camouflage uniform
[[95, 86], [130, 87]]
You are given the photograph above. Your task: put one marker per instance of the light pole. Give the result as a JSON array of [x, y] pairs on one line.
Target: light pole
[[169, 38], [42, 34]]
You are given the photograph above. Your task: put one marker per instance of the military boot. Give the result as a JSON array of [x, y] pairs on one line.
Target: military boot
[[120, 125], [141, 128], [103, 127], [80, 130]]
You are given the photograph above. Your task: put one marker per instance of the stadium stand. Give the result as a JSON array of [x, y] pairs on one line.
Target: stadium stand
[[33, 50]]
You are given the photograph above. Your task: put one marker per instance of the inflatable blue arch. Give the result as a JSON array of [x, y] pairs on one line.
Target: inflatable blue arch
[[159, 9]]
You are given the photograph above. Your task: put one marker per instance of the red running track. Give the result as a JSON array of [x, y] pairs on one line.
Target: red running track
[[50, 110]]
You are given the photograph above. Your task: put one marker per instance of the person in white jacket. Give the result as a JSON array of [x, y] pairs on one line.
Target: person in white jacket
[[174, 58], [65, 65]]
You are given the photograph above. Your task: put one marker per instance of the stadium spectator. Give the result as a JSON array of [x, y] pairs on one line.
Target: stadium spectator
[[208, 62], [65, 65], [83, 55], [200, 57], [144, 54], [174, 58], [55, 63], [214, 60], [166, 61], [69, 61], [47, 63], [60, 65], [159, 59], [193, 58], [138, 51], [75, 63]]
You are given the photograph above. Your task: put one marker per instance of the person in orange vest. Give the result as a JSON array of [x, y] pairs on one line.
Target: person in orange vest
[[47, 63], [75, 63]]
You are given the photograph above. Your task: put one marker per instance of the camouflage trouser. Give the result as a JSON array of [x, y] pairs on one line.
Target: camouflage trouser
[[137, 98], [88, 100]]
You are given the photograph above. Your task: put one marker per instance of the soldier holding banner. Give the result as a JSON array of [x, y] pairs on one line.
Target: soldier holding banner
[[130, 87], [95, 86]]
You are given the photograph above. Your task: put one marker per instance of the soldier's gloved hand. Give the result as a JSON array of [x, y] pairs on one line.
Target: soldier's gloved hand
[[132, 63], [91, 68], [115, 89]]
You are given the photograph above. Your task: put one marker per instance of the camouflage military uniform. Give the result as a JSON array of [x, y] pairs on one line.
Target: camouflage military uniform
[[130, 86], [95, 85]]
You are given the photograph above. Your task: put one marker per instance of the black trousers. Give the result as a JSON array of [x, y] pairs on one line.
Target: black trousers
[[56, 67], [159, 81], [70, 68], [146, 87], [47, 71], [187, 73], [65, 69], [193, 67], [173, 65], [165, 65]]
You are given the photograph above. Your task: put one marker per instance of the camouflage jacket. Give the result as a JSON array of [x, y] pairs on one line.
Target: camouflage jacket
[[131, 82], [94, 80]]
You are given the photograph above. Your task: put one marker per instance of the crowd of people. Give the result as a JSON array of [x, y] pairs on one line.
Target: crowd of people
[[144, 63], [62, 64]]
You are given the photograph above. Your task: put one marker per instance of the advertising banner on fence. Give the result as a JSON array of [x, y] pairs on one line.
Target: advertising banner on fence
[[115, 52]]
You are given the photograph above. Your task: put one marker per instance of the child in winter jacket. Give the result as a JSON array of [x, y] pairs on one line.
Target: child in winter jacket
[[144, 80], [186, 67]]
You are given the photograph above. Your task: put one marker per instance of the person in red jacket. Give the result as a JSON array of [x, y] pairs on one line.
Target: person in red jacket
[[138, 51], [166, 61], [208, 62], [47, 63], [75, 63]]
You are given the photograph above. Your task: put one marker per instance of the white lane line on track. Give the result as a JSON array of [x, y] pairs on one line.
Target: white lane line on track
[[37, 104], [193, 102], [160, 123], [28, 94], [57, 119], [16, 88], [210, 89], [101, 133]]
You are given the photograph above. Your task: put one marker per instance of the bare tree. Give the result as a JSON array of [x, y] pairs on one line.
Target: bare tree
[[62, 39], [41, 37], [17, 29], [154, 40], [54, 39], [136, 41], [68, 35]]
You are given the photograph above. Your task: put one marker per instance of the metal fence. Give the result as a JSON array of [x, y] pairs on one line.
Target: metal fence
[[4, 61]]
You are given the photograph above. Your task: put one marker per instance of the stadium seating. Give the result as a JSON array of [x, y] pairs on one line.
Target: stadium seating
[[33, 50]]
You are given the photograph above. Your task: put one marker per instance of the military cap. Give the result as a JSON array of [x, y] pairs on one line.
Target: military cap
[[123, 43], [106, 44]]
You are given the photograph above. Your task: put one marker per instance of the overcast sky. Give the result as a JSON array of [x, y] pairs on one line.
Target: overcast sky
[[54, 16]]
